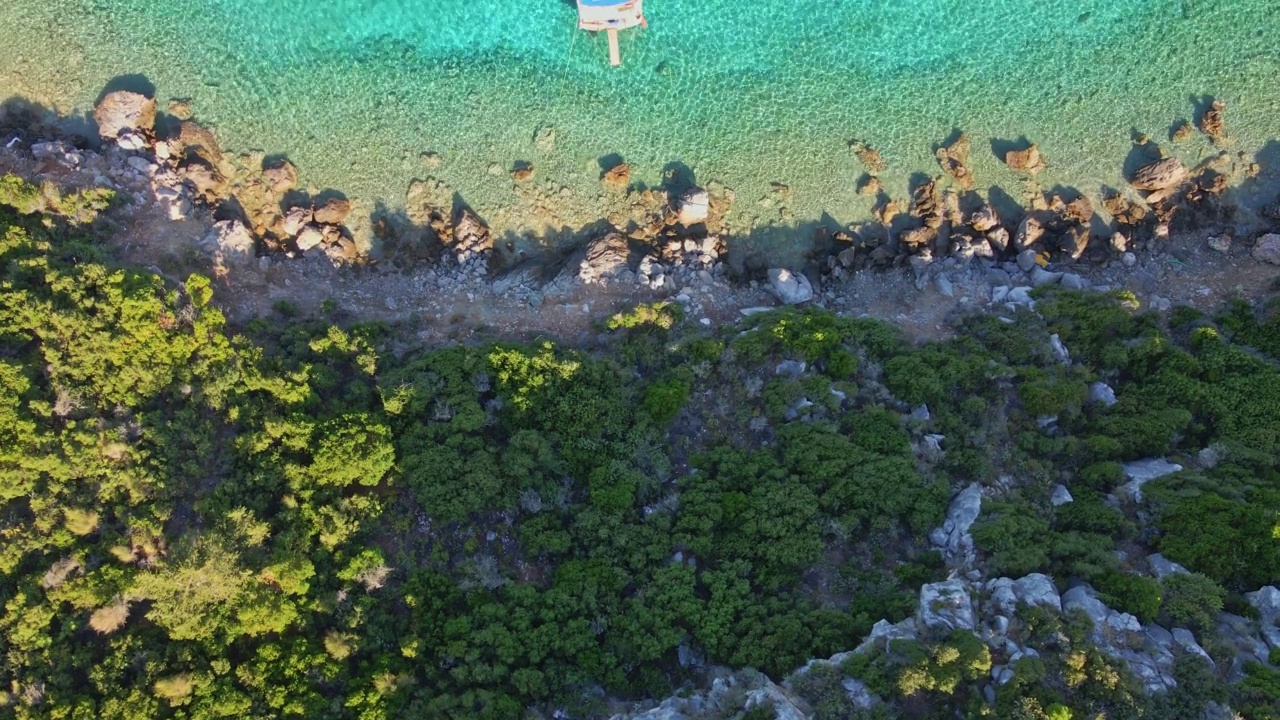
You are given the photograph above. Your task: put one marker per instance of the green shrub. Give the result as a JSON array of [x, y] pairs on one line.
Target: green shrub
[[20, 195], [659, 316], [1014, 537], [664, 399], [1192, 600], [1102, 477], [1135, 594]]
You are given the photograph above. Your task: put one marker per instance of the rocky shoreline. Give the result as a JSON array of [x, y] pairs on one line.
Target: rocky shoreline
[[946, 236]]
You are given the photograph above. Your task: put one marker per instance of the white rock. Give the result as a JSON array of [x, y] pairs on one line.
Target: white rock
[[1187, 642], [1163, 567], [1102, 393], [944, 286], [1141, 472], [1267, 603], [1061, 496], [296, 219], [309, 237], [791, 288], [695, 205], [1040, 277], [231, 243], [1267, 249], [178, 210], [945, 606], [1072, 281], [131, 140], [953, 536], [791, 368], [1038, 589], [1059, 349], [858, 693], [1027, 260], [141, 164]]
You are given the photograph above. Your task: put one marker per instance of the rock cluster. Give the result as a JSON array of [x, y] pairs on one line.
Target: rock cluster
[[953, 537]]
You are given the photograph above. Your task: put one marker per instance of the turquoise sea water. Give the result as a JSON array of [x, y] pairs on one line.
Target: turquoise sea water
[[743, 93]]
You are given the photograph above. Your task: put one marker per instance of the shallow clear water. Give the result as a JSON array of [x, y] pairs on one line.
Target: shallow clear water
[[744, 93]]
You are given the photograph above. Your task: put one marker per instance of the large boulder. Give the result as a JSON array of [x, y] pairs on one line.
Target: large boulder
[[1035, 589], [1141, 472], [694, 206], [946, 606], [333, 211], [471, 237], [122, 111], [605, 259], [1267, 602], [1267, 249], [791, 288], [230, 243], [602, 261], [1160, 175], [1163, 567]]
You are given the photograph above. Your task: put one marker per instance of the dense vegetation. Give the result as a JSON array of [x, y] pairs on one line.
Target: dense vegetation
[[311, 519]]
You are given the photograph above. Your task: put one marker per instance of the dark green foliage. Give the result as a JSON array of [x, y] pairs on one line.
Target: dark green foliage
[[1014, 537], [1191, 600], [1259, 328], [1233, 543], [1135, 594], [325, 521], [664, 399]]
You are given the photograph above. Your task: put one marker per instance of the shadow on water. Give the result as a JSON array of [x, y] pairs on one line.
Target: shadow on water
[[132, 83], [677, 177], [1200, 105], [1001, 147], [1257, 193], [1141, 154], [1006, 206], [30, 121], [609, 162]]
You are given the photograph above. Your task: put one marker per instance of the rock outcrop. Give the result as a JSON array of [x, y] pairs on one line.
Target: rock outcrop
[[953, 537], [230, 244], [1267, 249], [694, 207], [125, 115], [945, 606]]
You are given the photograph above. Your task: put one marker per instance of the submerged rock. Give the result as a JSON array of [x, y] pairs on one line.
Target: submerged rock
[[618, 177], [1213, 122], [1028, 161], [333, 211]]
